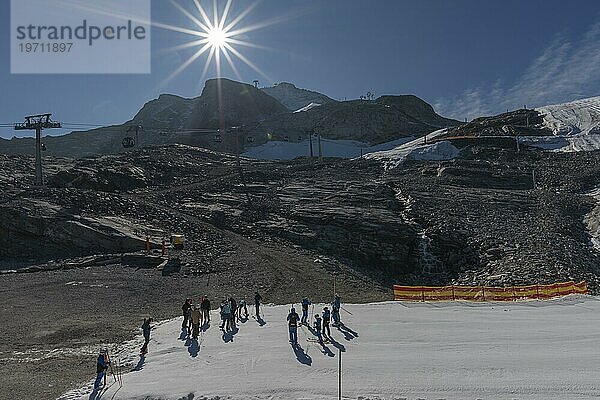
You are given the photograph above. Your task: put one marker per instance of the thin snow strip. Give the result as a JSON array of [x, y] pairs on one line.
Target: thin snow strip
[[307, 107]]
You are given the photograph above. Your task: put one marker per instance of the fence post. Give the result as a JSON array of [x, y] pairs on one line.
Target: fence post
[[537, 291], [483, 291], [453, 297], [422, 295]]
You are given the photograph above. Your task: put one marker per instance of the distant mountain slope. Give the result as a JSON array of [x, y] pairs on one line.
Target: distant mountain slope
[[373, 122], [294, 98], [225, 103]]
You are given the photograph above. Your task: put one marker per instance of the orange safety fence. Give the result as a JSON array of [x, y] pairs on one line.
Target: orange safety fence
[[487, 293]]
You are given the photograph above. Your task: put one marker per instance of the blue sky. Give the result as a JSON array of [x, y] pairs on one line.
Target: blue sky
[[466, 57]]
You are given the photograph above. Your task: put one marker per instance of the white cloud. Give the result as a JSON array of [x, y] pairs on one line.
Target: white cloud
[[565, 71]]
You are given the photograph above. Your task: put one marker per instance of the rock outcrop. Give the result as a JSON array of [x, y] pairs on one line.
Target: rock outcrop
[[295, 98]]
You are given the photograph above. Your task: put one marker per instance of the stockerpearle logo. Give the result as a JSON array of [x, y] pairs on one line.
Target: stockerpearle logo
[[80, 36]]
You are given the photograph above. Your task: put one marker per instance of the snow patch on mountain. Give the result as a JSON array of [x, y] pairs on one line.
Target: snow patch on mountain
[[279, 150], [578, 122], [294, 98], [308, 107], [417, 149]]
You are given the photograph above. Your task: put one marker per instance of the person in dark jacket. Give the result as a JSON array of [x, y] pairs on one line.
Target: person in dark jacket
[[101, 367], [242, 305], [326, 320], [233, 307], [146, 332], [257, 300], [186, 310], [336, 305], [292, 319], [317, 326], [305, 304], [205, 308], [225, 315]]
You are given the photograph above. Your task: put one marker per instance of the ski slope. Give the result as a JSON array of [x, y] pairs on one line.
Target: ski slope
[[416, 149], [524, 350], [578, 122], [279, 150]]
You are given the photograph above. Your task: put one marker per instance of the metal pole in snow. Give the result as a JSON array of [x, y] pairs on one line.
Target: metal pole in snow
[[340, 375]]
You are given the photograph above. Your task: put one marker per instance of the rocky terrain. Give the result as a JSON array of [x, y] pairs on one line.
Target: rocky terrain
[[521, 122], [294, 98], [493, 215], [224, 104]]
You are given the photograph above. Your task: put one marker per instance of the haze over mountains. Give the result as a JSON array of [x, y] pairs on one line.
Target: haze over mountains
[[267, 114]]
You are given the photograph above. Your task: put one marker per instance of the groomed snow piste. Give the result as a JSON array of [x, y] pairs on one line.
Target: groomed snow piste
[[279, 150], [524, 350], [417, 149]]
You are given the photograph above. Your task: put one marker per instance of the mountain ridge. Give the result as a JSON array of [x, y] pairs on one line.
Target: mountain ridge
[[225, 103]]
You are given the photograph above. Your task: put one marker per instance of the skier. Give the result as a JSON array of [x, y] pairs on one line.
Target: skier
[[257, 299], [305, 304], [101, 367], [326, 319], [233, 307], [225, 315], [293, 318], [242, 304], [186, 308], [195, 317], [317, 326], [205, 307], [146, 333], [337, 303]]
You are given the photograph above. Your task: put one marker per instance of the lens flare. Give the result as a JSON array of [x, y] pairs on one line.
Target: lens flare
[[216, 37]]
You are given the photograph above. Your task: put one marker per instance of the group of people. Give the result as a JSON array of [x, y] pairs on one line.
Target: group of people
[[195, 315], [320, 326], [230, 311]]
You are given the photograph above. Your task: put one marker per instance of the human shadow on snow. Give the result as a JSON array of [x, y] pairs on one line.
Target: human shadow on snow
[[349, 334], [140, 364], [184, 334], [193, 348], [336, 344], [228, 335], [302, 357]]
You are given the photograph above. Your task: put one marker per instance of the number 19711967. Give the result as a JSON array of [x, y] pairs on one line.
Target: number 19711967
[[37, 47]]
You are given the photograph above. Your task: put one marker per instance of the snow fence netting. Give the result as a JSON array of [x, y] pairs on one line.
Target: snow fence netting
[[488, 293]]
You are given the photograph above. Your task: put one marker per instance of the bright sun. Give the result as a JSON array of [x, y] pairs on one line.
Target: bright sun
[[217, 38]]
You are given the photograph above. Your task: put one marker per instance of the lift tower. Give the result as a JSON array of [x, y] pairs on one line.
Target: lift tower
[[38, 123]]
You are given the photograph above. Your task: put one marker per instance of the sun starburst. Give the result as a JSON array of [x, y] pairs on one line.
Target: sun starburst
[[215, 37]]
